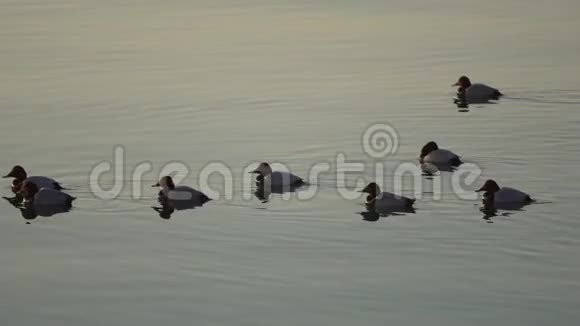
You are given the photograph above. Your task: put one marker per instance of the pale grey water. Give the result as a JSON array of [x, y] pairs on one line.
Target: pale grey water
[[295, 83]]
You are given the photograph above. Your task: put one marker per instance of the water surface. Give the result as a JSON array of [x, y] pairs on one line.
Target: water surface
[[295, 83]]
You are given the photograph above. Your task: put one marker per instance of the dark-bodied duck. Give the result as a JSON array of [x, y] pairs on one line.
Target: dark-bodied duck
[[276, 178], [20, 175], [503, 197], [187, 196], [431, 153], [386, 201], [475, 93]]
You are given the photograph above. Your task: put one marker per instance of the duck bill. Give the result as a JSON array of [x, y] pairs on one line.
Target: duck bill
[[456, 84], [480, 189], [255, 171], [156, 185], [9, 175]]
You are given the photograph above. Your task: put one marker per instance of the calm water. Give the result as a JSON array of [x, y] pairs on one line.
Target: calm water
[[295, 83]]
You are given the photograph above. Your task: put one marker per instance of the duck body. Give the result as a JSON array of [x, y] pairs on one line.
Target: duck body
[[280, 178], [481, 93], [507, 195], [45, 182], [476, 93], [277, 181], [504, 197], [441, 158], [184, 193], [387, 201], [179, 197]]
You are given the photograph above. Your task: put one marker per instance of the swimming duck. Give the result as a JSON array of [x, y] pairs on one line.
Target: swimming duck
[[180, 195], [386, 201], [20, 175], [431, 153], [475, 93], [44, 197], [276, 178], [504, 197]]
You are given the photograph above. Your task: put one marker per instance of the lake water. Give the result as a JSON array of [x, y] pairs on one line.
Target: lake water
[[295, 83]]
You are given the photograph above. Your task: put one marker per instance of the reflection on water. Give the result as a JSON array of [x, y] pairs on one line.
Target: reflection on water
[[489, 212], [491, 209], [264, 190], [30, 211], [16, 200], [461, 102], [169, 206], [370, 216], [165, 211], [373, 215]]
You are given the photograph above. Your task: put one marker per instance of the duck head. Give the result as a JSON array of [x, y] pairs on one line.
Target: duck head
[[463, 82], [373, 190], [165, 182], [489, 188], [17, 173], [263, 170], [428, 148]]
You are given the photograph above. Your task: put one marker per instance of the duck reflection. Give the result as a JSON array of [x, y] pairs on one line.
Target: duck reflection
[[30, 211], [166, 210], [15, 201], [169, 206], [262, 193], [265, 189], [461, 101], [490, 211], [373, 215], [370, 216]]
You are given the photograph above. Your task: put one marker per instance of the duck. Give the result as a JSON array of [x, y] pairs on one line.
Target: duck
[[20, 176], [432, 154], [386, 201], [276, 178], [44, 197], [475, 93], [180, 197], [503, 197]]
